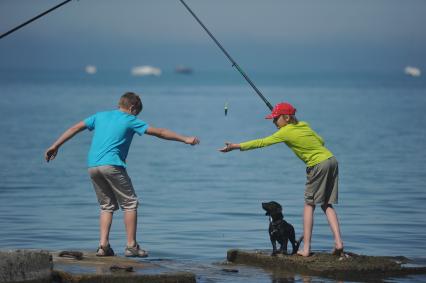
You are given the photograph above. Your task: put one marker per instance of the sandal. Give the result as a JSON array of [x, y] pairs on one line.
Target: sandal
[[105, 251], [135, 251], [72, 254]]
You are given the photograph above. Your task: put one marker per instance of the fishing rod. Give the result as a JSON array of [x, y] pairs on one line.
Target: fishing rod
[[234, 64], [33, 19]]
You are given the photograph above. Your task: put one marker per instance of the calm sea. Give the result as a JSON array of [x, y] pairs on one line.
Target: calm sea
[[196, 203]]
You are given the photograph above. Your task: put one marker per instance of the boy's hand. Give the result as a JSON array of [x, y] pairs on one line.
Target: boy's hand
[[192, 140], [229, 147], [51, 153]]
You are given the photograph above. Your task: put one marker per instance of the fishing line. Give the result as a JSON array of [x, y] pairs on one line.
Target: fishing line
[[234, 64], [33, 19]]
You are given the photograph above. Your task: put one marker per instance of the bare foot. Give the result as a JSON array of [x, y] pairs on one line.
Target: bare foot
[[338, 246], [304, 253], [338, 249]]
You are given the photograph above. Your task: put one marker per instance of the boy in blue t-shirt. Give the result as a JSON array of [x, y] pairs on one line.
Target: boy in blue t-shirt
[[113, 135]]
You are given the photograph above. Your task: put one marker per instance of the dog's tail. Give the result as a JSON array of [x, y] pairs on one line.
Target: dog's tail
[[298, 244]]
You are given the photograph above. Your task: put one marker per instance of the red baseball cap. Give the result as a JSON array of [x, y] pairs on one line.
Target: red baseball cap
[[282, 108]]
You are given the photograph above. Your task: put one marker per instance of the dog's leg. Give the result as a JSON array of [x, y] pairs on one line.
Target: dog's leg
[[272, 238], [283, 248], [274, 247]]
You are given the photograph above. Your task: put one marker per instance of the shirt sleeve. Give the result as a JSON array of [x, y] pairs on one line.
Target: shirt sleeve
[[277, 137], [139, 126], [90, 122]]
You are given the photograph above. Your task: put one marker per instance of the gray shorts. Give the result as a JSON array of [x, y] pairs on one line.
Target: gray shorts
[[322, 182], [113, 188]]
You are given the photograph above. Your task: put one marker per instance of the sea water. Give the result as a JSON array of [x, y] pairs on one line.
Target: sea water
[[195, 202]]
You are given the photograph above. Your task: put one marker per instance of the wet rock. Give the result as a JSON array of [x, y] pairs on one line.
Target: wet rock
[[350, 266], [114, 269], [25, 266]]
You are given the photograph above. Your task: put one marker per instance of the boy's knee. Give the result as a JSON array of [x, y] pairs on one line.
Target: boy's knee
[[309, 208]]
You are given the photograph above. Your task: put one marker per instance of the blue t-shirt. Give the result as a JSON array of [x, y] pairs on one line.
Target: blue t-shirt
[[113, 135]]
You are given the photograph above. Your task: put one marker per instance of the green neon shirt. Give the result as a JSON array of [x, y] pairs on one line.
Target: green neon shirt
[[300, 138]]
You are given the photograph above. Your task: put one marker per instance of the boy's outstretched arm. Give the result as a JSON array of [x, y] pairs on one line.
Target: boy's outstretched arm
[[270, 140], [229, 147], [170, 135], [68, 134]]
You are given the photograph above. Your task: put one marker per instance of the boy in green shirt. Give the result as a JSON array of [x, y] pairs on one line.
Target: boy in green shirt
[[321, 169]]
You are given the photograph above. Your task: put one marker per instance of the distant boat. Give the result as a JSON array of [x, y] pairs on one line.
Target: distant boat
[[91, 70], [145, 71], [412, 71], [183, 70]]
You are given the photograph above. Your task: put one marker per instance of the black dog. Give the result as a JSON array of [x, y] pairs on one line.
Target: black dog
[[280, 230]]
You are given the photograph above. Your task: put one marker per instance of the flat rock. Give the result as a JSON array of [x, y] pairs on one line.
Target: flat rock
[[116, 269], [348, 267]]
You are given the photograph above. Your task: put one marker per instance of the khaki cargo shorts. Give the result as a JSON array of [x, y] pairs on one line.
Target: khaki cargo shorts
[[322, 182], [113, 188]]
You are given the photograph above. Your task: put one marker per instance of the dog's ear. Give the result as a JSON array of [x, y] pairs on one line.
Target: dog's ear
[[276, 207], [276, 204]]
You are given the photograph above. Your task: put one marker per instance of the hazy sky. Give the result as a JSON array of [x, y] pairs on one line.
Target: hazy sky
[[299, 34]]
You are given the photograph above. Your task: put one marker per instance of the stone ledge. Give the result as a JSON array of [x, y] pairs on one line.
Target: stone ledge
[[348, 267]]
